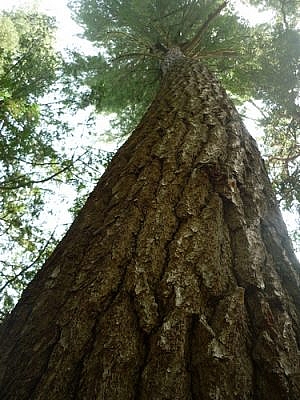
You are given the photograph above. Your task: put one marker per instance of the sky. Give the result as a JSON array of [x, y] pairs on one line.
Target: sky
[[67, 28], [68, 35]]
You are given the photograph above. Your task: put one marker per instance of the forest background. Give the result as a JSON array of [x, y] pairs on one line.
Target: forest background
[[60, 122]]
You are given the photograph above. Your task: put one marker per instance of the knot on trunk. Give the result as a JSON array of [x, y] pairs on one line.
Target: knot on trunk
[[171, 56]]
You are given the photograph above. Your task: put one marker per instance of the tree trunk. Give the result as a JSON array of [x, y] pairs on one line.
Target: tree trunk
[[176, 281]]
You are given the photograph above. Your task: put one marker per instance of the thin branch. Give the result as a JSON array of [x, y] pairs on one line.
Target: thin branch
[[293, 154], [90, 167], [173, 12], [18, 62], [188, 19], [243, 115], [135, 55], [216, 53], [28, 183], [131, 37], [35, 164], [41, 252], [286, 159], [284, 15], [258, 108], [189, 47], [53, 175]]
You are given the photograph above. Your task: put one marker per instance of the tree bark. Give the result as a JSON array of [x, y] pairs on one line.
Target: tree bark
[[176, 281]]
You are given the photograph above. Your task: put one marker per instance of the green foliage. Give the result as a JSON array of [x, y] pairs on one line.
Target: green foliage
[[277, 83], [286, 8], [33, 161], [278, 86], [27, 71], [93, 158], [124, 76], [255, 63], [28, 65], [9, 37], [15, 275]]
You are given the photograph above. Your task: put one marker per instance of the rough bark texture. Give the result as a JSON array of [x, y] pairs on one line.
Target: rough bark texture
[[176, 281]]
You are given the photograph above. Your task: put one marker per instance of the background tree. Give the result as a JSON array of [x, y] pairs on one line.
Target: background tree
[[32, 157], [177, 279], [28, 66]]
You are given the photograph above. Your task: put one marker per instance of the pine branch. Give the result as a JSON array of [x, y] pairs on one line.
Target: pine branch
[[129, 36], [284, 17], [170, 13], [286, 159], [252, 102], [25, 269], [49, 178], [190, 46], [138, 55], [18, 63], [216, 53]]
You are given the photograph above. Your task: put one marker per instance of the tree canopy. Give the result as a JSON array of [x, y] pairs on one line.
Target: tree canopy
[[256, 63]]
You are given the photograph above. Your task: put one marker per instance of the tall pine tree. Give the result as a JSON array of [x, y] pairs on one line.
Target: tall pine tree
[[177, 280]]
